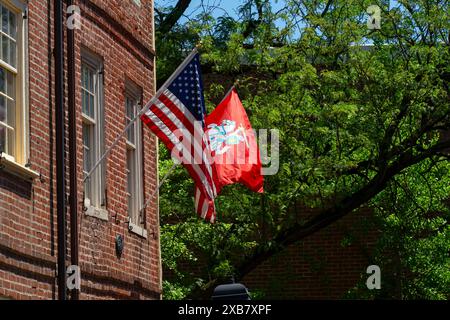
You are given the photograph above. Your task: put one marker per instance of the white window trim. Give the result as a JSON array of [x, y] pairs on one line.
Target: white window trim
[[134, 92], [99, 184], [8, 164], [16, 163], [140, 231], [95, 212]]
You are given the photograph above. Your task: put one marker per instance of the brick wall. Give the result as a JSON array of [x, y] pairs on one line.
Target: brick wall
[[121, 34], [325, 265]]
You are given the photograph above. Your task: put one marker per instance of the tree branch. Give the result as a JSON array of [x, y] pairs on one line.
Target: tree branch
[[347, 205], [172, 18], [328, 216], [252, 25], [327, 7]]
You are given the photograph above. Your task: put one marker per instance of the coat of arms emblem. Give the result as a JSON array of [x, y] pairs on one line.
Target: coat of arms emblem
[[222, 136]]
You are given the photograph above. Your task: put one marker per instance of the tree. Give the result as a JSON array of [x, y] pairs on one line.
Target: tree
[[358, 128], [167, 21]]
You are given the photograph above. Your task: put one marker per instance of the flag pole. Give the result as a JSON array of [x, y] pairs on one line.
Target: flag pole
[[143, 110], [229, 91], [147, 203]]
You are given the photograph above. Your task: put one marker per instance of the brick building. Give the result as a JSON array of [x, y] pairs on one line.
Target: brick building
[[113, 72]]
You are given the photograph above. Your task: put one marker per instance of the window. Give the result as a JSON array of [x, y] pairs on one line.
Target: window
[[134, 161], [92, 113], [13, 104]]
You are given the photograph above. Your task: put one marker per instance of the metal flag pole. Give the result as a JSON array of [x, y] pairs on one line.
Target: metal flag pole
[[229, 91], [147, 203], [143, 110]]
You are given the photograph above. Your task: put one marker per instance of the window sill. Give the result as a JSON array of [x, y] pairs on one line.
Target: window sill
[[101, 214], [137, 230], [8, 164]]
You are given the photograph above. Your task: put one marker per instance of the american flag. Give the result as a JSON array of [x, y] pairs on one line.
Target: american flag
[[176, 115]]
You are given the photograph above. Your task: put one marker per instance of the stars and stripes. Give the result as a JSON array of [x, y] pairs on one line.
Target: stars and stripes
[[177, 117]]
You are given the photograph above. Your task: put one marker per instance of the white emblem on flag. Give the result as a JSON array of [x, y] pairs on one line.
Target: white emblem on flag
[[221, 137]]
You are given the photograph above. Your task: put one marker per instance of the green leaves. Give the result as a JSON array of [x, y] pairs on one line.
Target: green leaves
[[345, 113], [413, 215]]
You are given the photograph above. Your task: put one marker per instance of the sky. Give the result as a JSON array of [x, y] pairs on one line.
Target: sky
[[229, 5]]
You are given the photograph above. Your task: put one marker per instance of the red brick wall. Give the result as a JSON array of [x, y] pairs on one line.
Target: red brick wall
[[136, 20], [325, 265], [123, 39]]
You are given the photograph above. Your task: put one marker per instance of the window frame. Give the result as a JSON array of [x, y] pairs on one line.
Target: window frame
[[19, 156], [94, 203], [136, 219]]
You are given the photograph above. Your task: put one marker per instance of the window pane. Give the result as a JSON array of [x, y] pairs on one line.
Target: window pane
[[131, 182], [130, 171], [10, 142], [87, 79], [12, 53], [127, 105], [10, 85], [88, 104], [88, 190], [131, 134], [91, 106], [87, 98], [12, 25], [11, 113], [2, 80], [86, 136], [5, 16], [83, 76], [91, 81], [3, 109], [130, 111], [84, 101], [2, 139], [86, 163], [86, 147], [5, 49]]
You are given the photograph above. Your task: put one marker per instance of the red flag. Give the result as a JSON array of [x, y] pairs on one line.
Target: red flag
[[233, 145]]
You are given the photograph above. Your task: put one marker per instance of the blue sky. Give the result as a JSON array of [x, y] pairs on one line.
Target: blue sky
[[228, 5], [231, 7]]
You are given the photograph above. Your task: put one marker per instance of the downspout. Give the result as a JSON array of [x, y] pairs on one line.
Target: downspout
[[158, 227], [73, 180], [60, 148]]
